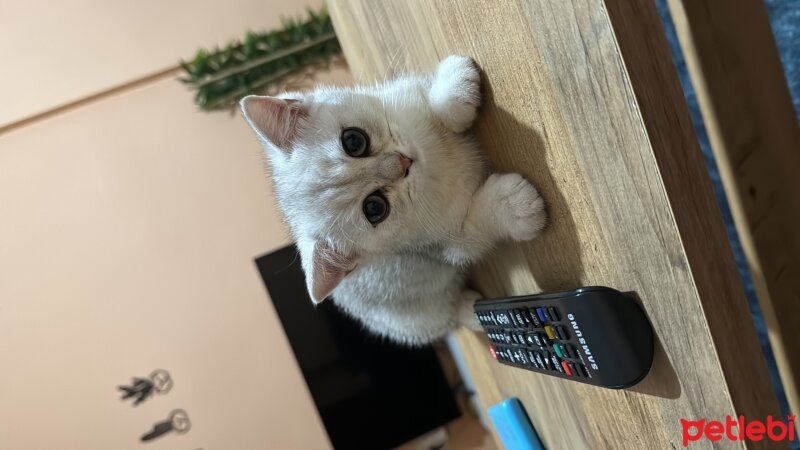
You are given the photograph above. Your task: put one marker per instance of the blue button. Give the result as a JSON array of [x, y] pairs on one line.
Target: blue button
[[540, 312]]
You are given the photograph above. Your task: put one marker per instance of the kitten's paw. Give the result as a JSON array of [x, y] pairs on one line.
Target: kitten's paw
[[520, 209], [456, 92]]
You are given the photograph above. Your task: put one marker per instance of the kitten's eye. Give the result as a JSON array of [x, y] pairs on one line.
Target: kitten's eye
[[376, 207], [355, 142]]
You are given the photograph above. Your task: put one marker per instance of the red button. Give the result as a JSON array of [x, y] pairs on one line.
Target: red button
[[494, 352], [567, 370]]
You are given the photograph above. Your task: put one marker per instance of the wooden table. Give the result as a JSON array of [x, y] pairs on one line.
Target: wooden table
[[582, 98]]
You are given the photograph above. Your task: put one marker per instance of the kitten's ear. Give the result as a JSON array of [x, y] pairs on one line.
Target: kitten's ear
[[274, 120], [325, 267]]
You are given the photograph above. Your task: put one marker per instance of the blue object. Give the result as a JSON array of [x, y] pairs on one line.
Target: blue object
[[541, 314], [513, 426]]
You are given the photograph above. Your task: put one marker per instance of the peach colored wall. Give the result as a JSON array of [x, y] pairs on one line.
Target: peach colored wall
[[128, 229], [66, 49]]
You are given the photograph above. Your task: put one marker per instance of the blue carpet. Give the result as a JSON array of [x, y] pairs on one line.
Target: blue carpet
[[785, 19]]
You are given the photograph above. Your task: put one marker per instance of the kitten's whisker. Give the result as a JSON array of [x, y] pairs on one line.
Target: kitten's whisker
[[431, 214], [386, 118], [363, 68], [428, 222], [391, 64], [339, 221]]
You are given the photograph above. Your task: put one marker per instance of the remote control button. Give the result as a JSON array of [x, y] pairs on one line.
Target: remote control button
[[493, 351], [557, 349], [567, 370], [503, 319], [526, 317], [580, 370], [572, 367], [534, 362], [516, 314], [539, 339], [528, 361], [556, 363], [555, 316], [522, 357], [507, 337], [537, 323], [513, 356], [569, 350], [498, 337], [521, 337], [514, 319], [561, 332], [503, 353], [550, 333], [542, 361], [542, 315], [547, 363]]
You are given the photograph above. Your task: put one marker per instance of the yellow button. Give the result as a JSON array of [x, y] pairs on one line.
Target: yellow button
[[549, 330]]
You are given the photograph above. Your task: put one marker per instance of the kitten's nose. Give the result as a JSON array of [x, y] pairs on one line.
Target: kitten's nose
[[405, 162]]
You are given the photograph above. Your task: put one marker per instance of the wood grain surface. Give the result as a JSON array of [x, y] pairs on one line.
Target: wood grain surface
[[581, 97], [752, 126]]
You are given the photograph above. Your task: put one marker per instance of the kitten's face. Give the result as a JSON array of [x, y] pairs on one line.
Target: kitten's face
[[358, 173]]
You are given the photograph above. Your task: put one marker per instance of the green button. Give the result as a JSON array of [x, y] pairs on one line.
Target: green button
[[558, 350]]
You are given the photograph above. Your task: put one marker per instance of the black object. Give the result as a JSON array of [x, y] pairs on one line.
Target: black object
[[178, 421], [141, 389], [594, 335], [370, 393]]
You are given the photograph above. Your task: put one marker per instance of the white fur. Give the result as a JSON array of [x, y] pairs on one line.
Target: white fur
[[408, 278]]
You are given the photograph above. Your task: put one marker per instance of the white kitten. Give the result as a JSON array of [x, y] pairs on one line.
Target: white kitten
[[388, 201]]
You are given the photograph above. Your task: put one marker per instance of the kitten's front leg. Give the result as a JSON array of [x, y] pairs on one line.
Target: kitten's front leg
[[455, 93], [505, 207], [466, 310]]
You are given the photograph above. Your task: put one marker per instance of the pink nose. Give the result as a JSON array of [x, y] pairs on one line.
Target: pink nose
[[405, 161]]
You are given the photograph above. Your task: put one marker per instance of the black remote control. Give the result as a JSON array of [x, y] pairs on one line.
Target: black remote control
[[595, 335]]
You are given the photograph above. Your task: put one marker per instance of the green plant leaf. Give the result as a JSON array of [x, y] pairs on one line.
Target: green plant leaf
[[223, 75]]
